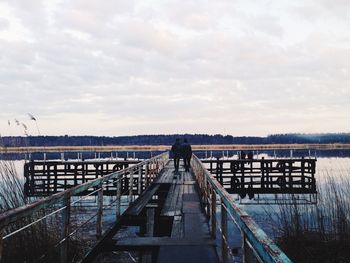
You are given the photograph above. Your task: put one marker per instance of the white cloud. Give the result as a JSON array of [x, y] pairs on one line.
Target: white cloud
[[131, 67]]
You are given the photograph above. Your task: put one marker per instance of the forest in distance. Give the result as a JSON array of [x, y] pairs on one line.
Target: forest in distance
[[195, 139]]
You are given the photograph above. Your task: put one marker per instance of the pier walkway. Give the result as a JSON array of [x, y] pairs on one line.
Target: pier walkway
[[155, 215], [172, 223]]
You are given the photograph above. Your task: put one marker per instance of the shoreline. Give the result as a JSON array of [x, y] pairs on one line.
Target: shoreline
[[203, 147]]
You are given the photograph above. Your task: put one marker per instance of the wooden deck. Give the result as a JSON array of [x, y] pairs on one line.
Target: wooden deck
[[172, 224]]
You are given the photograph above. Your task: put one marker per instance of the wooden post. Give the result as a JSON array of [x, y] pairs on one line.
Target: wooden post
[[146, 175], [140, 180], [131, 184], [65, 229], [119, 191], [303, 173], [207, 197], [213, 214], [244, 247], [150, 222], [99, 212], [224, 237]]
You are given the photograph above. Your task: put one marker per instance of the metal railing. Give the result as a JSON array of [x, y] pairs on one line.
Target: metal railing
[[145, 172], [254, 238]]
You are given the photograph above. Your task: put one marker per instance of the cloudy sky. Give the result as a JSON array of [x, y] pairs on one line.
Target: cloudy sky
[[126, 67]]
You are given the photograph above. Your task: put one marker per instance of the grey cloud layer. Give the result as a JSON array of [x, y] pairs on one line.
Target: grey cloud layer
[[159, 66]]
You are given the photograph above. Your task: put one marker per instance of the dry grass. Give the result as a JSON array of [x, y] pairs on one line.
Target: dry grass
[[318, 233], [35, 242], [203, 147]]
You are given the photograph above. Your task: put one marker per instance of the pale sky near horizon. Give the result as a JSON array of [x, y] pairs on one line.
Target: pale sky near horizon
[[126, 67]]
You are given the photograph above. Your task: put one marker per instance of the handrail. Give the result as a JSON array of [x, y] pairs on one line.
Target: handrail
[[13, 215], [262, 245]]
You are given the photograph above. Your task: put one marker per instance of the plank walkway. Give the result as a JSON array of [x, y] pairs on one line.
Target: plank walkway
[[173, 226]]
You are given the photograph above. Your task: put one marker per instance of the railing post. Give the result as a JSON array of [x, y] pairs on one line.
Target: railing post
[[140, 180], [224, 238], [213, 214], [146, 175], [119, 191], [65, 229], [244, 247], [131, 184], [99, 211]]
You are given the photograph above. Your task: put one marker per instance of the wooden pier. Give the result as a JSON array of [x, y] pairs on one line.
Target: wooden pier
[[172, 223], [169, 217]]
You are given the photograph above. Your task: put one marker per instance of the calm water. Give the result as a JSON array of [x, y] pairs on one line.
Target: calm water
[[335, 167]]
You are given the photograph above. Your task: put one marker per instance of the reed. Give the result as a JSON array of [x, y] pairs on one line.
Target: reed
[[37, 243], [318, 233]]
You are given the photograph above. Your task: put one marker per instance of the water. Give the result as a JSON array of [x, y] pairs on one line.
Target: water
[[332, 164]]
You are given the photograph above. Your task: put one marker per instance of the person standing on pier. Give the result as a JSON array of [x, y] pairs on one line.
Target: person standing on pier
[[186, 154], [176, 153]]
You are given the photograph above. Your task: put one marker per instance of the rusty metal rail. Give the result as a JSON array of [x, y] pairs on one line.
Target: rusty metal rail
[[145, 172], [255, 242]]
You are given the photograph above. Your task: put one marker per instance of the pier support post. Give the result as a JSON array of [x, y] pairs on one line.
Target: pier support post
[[99, 212], [146, 175], [65, 229], [139, 187], [131, 184], [119, 190], [224, 239], [150, 222], [213, 215]]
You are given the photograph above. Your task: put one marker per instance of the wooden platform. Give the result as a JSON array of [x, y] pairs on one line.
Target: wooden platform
[[173, 226]]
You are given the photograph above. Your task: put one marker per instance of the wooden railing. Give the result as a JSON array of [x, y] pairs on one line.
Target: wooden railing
[[255, 242], [265, 176], [44, 178], [61, 202]]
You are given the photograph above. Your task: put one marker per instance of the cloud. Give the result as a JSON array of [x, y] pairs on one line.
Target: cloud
[[127, 67]]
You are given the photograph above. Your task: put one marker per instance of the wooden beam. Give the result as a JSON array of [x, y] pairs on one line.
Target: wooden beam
[[160, 241]]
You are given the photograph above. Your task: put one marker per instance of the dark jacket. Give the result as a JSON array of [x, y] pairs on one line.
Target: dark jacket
[[176, 150], [186, 150]]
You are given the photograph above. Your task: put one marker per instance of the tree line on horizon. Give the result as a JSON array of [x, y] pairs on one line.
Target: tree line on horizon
[[66, 140]]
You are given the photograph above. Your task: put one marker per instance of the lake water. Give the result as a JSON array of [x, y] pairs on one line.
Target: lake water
[[327, 167]]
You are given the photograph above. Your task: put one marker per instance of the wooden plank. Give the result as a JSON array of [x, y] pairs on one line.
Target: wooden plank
[[161, 241], [142, 201], [169, 199], [187, 253], [177, 228], [171, 206]]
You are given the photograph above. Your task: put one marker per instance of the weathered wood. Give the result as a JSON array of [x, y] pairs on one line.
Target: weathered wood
[[267, 250], [150, 222], [99, 212], [224, 236], [213, 215], [118, 197], [139, 187], [173, 202], [177, 228], [65, 229], [131, 185], [270, 176], [142, 201], [17, 213], [137, 242]]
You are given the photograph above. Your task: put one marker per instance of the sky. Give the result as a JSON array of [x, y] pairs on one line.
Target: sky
[[126, 67]]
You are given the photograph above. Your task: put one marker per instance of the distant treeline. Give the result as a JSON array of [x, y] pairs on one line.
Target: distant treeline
[[169, 139]]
